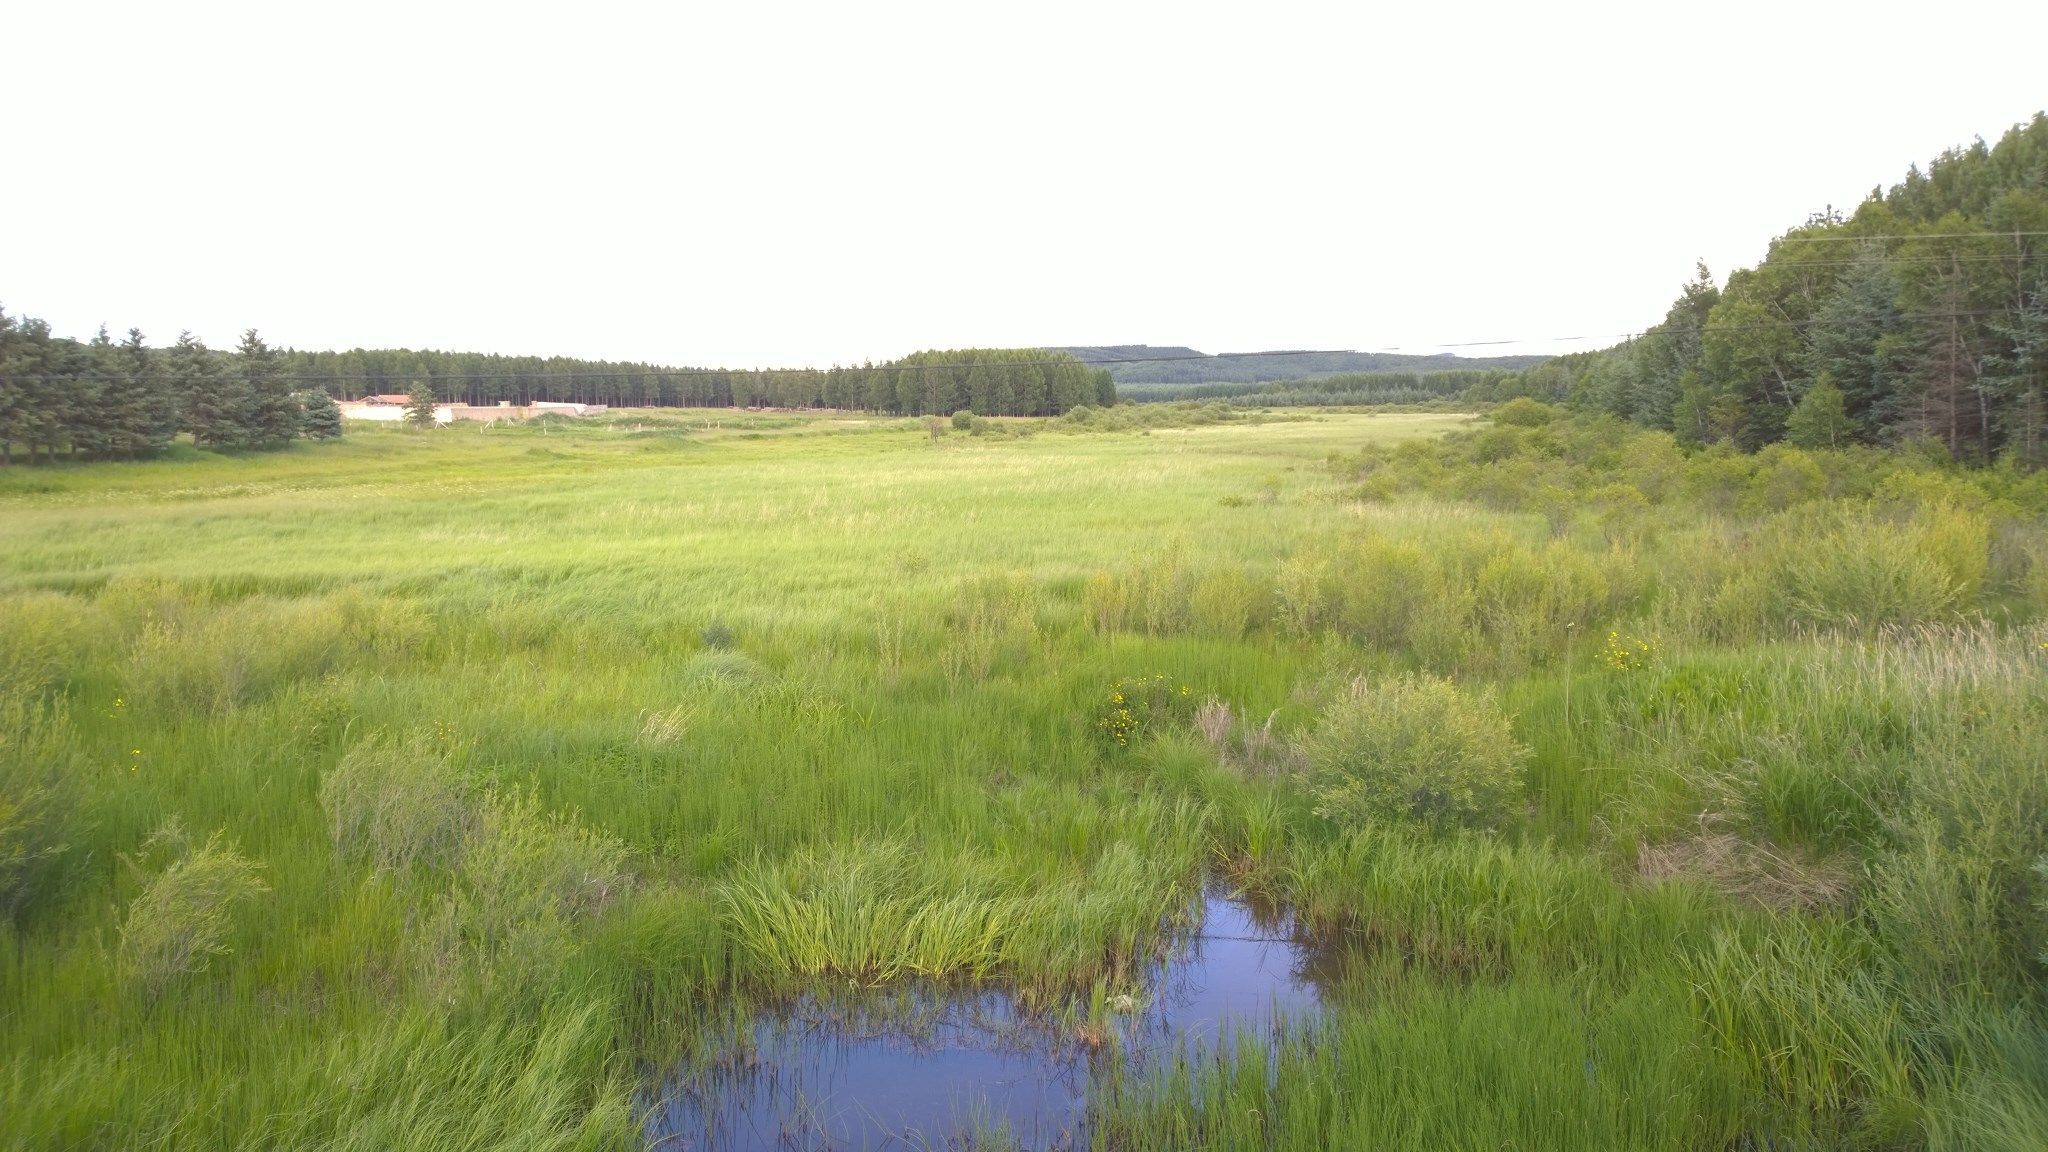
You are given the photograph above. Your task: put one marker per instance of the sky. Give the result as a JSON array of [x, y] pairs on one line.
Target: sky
[[769, 185]]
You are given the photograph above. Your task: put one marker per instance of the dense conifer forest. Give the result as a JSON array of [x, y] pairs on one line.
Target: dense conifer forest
[[1173, 366], [105, 400], [1920, 316]]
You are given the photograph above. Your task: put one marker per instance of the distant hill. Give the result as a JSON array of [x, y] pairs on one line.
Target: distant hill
[[1149, 364]]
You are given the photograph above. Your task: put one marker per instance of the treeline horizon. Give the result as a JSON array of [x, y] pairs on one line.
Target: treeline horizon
[[1175, 366], [1470, 385], [987, 381], [101, 399]]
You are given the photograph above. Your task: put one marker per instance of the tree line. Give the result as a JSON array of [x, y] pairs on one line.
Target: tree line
[[1172, 366], [104, 399], [1920, 317], [1449, 385], [989, 381]]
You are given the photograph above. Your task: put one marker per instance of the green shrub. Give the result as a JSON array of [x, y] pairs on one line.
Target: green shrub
[[1870, 570], [1227, 603], [1785, 477], [1417, 748], [1385, 586], [528, 879], [965, 420], [184, 915], [1304, 591], [397, 805], [1525, 413]]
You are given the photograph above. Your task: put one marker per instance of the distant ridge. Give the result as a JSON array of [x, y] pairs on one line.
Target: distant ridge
[[1175, 364]]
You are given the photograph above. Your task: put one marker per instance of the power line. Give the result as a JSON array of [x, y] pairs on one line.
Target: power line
[[1762, 325], [1959, 258], [1829, 239]]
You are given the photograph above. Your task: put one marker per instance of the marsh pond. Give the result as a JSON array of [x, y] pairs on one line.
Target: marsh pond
[[941, 1069]]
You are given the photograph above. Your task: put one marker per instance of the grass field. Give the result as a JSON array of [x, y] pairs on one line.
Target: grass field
[[432, 789]]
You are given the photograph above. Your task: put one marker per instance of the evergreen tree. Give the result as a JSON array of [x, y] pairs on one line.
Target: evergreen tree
[[113, 417], [274, 413], [419, 403], [50, 373], [159, 403], [210, 401], [1671, 350], [14, 389], [1849, 339], [1692, 413], [322, 419], [1821, 418]]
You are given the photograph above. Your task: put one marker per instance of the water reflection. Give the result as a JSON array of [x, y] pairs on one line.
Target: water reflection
[[917, 1070]]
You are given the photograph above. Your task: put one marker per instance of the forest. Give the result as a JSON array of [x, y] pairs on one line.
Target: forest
[[1921, 316], [108, 400], [1457, 387], [988, 381], [1146, 364]]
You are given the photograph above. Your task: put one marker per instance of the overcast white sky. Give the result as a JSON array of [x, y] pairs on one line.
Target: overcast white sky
[[782, 184]]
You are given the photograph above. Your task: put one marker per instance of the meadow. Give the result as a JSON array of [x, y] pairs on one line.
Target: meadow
[[440, 789]]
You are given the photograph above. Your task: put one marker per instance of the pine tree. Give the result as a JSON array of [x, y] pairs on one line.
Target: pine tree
[[117, 416], [273, 412], [419, 403], [14, 389], [1850, 338], [48, 373], [1821, 418], [1671, 350], [322, 420], [159, 402], [211, 402]]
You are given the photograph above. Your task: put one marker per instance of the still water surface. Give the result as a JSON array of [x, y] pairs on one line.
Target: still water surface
[[927, 1071]]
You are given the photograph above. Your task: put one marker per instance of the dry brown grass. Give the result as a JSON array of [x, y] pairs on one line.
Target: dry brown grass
[[1761, 874], [1255, 751]]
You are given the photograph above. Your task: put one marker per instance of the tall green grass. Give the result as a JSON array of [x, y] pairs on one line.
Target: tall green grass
[[550, 746]]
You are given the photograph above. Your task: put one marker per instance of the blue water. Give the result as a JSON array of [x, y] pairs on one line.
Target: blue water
[[920, 1070]]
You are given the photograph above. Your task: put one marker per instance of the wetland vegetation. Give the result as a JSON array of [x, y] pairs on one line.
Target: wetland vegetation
[[474, 788]]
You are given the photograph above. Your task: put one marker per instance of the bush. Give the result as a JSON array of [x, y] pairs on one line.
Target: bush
[[527, 881], [1869, 570], [1227, 603], [965, 420], [1525, 413], [1385, 585], [183, 917], [396, 806], [1414, 747]]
